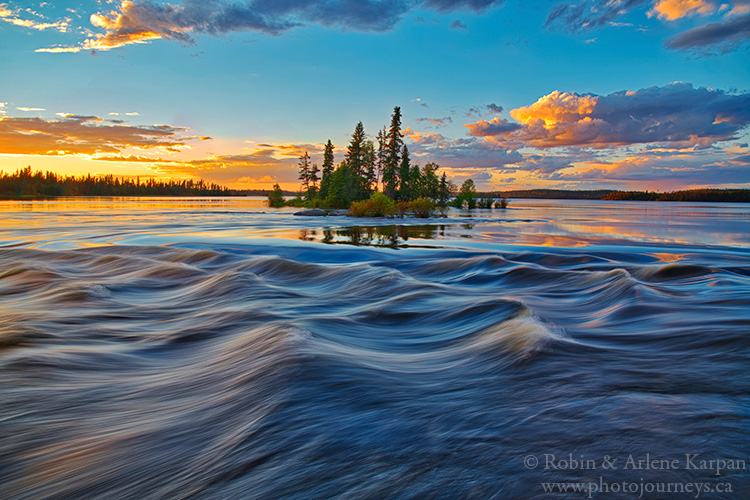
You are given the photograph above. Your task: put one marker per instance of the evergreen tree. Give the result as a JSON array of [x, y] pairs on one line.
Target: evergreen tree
[[404, 176], [356, 150], [355, 160], [304, 173], [314, 170], [430, 182], [369, 159], [394, 145], [276, 197], [417, 183], [327, 169], [468, 194], [444, 191], [381, 155]]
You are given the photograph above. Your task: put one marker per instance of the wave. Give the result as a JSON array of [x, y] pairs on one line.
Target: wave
[[153, 372]]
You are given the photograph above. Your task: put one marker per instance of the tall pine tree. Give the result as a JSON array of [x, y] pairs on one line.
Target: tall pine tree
[[327, 170], [304, 173], [381, 155], [355, 161], [404, 176], [394, 145]]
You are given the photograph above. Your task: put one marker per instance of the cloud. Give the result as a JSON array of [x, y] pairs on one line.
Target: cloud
[[80, 135], [31, 109], [676, 9], [589, 15], [669, 170], [440, 122], [677, 114], [496, 126], [12, 17], [141, 22], [2, 107], [458, 24], [458, 153], [546, 164], [722, 36], [487, 109], [452, 5], [494, 108]]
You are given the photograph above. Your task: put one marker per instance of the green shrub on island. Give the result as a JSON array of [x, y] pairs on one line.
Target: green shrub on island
[[276, 197], [503, 203], [485, 202], [467, 196], [422, 207], [379, 205]]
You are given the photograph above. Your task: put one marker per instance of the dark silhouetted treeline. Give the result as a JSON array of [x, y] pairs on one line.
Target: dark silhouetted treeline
[[723, 195], [27, 184], [553, 194], [718, 195]]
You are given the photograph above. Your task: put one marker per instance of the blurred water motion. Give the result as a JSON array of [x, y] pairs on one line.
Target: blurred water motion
[[216, 349]]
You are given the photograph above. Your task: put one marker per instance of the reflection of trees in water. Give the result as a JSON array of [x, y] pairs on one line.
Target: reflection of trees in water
[[373, 235]]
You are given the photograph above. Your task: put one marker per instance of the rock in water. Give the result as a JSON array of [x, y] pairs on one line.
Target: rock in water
[[311, 212]]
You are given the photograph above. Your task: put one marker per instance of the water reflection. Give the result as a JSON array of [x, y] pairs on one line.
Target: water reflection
[[73, 222], [385, 236]]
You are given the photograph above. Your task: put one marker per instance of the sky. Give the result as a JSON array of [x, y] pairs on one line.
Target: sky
[[592, 94]]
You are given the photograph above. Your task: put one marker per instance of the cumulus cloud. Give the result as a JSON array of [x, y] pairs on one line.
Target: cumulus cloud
[[80, 135], [458, 24], [140, 22], [677, 114], [721, 36]]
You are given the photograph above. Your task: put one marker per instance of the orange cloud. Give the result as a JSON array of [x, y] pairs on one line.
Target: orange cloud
[[677, 114], [676, 9], [9, 16], [556, 107], [80, 135]]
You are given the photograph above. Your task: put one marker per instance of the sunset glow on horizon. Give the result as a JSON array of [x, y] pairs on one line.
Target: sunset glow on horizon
[[646, 95]]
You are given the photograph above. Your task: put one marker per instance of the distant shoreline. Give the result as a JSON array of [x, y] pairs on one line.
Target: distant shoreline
[[699, 195], [696, 195]]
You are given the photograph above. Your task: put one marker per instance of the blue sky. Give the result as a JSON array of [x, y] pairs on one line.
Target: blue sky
[[628, 94]]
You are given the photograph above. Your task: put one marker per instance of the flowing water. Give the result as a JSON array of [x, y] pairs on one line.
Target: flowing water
[[214, 348]]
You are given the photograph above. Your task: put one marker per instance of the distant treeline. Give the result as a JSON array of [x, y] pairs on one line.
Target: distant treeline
[[27, 184], [726, 195], [553, 194], [719, 195]]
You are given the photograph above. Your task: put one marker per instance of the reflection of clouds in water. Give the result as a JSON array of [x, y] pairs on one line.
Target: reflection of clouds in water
[[562, 223]]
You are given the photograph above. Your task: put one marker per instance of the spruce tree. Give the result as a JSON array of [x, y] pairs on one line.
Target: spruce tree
[[327, 170], [369, 159], [355, 160], [394, 145], [314, 170], [404, 176], [304, 172], [381, 155], [444, 191]]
